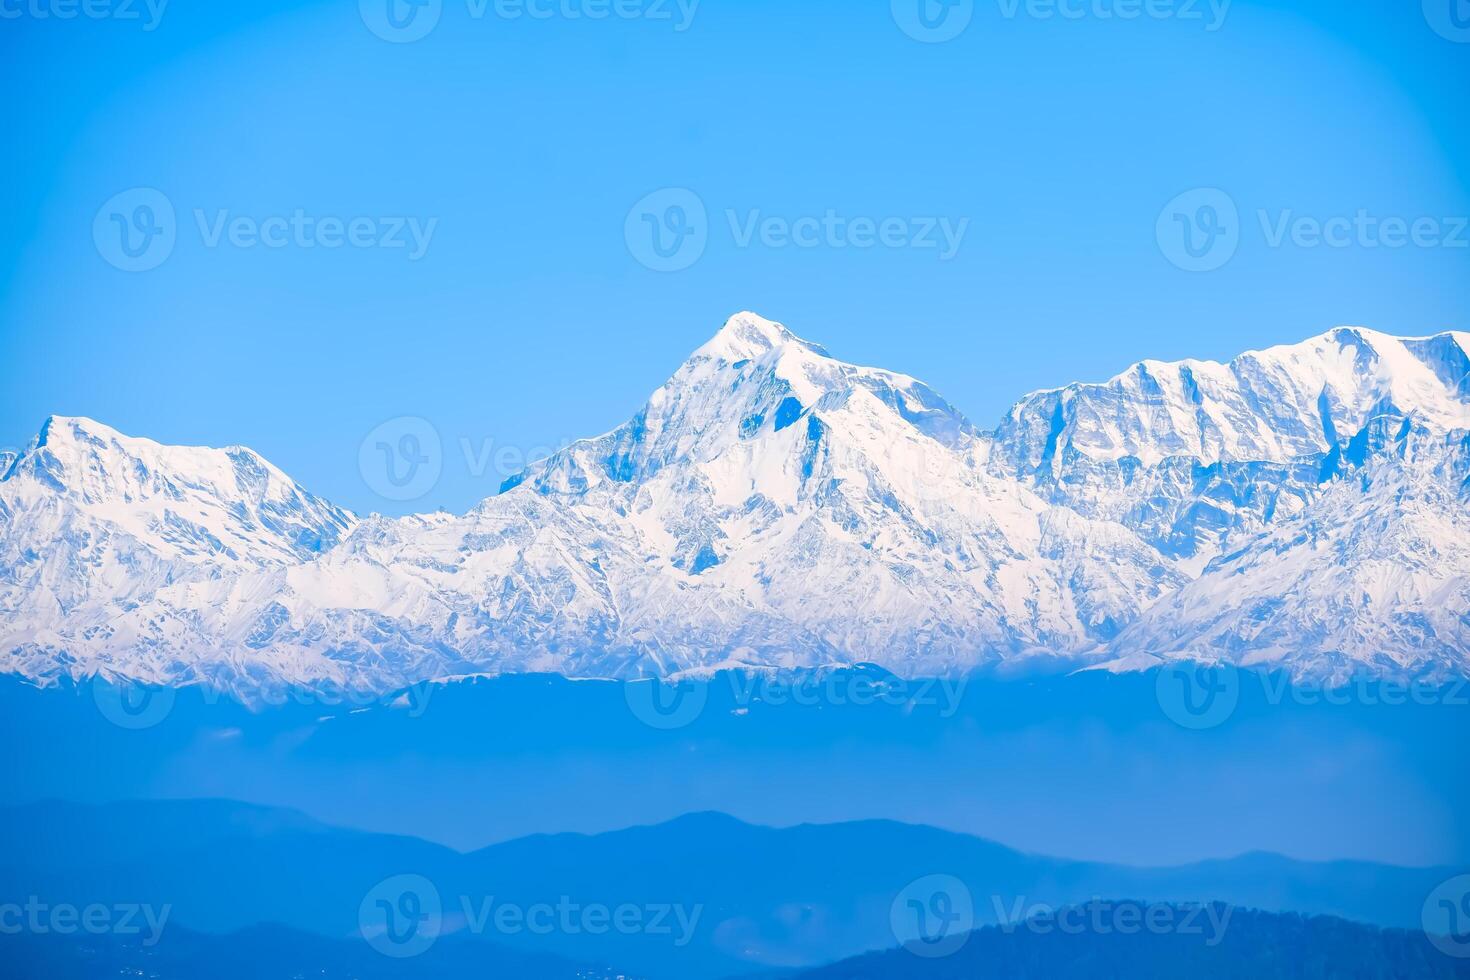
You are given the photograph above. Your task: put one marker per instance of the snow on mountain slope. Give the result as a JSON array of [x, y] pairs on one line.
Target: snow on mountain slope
[[1274, 405], [772, 505], [213, 506], [768, 505], [1375, 573], [93, 523], [1192, 453], [1319, 490], [850, 508]]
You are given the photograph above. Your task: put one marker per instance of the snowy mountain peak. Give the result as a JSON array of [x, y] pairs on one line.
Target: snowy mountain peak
[[771, 505], [1278, 404], [71, 429], [97, 464], [213, 505], [735, 405], [747, 336]]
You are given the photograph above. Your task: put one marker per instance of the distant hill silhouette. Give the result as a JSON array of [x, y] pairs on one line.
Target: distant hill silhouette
[[1257, 945], [764, 898]]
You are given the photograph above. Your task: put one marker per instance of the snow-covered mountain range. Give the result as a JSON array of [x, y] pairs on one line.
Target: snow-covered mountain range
[[1303, 506]]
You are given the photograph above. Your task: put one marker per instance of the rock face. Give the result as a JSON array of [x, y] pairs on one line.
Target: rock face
[[770, 505]]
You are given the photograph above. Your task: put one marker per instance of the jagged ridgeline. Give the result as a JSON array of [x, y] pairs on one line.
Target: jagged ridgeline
[[1303, 506]]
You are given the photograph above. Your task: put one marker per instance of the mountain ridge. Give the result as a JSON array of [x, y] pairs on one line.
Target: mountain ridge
[[1299, 506], [237, 863]]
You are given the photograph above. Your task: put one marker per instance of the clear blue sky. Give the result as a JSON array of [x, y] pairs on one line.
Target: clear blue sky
[[528, 320]]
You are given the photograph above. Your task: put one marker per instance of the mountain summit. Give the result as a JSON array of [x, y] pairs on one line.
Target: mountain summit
[[771, 505]]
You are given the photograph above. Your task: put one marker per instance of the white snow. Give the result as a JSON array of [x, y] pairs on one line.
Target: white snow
[[772, 506]]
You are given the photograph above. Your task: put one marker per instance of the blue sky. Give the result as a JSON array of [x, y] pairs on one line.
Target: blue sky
[[1055, 150]]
